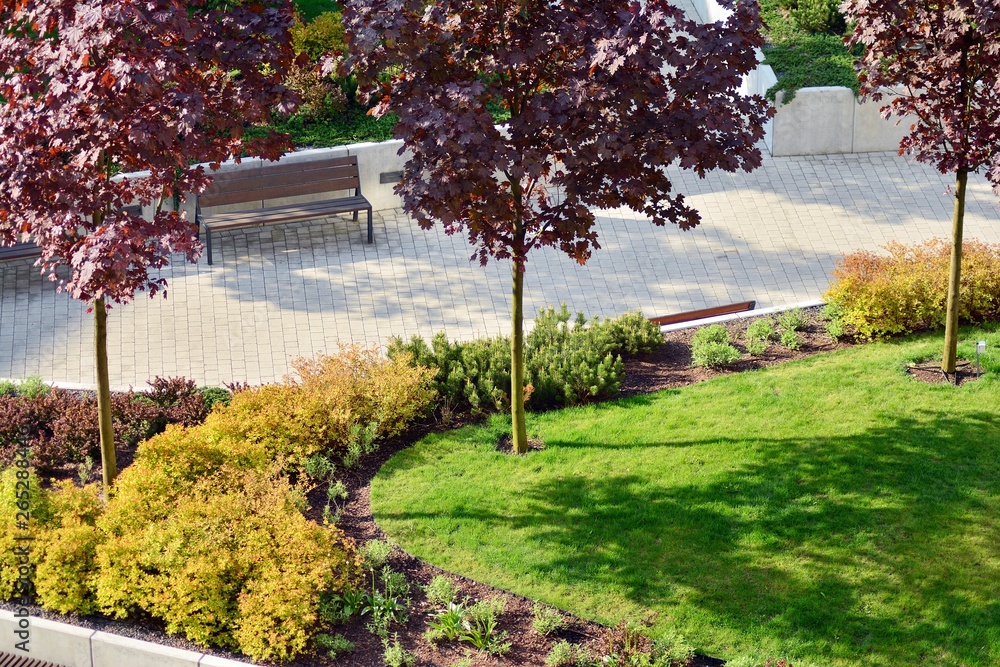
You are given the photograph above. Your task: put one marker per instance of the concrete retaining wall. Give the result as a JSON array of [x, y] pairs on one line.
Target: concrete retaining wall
[[71, 646]]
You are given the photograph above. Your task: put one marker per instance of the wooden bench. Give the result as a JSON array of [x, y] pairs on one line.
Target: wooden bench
[[276, 181], [29, 249]]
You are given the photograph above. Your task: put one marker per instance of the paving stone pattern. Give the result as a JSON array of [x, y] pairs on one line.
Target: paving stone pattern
[[293, 290]]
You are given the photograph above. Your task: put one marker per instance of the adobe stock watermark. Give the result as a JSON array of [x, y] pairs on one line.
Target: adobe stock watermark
[[24, 588]]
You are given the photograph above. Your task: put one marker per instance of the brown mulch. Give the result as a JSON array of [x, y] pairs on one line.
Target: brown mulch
[[670, 366], [930, 374]]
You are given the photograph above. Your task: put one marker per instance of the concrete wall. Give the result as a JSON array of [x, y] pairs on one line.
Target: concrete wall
[[829, 120], [72, 646]]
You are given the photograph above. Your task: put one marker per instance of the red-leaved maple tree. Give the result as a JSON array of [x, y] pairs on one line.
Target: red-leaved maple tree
[[93, 88], [602, 96], [943, 59]]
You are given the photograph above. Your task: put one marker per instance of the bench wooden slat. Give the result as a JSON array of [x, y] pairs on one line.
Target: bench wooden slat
[[269, 168], [290, 213], [257, 190], [255, 181]]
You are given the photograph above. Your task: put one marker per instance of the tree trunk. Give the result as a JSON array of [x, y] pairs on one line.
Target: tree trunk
[[109, 466], [955, 276], [519, 430]]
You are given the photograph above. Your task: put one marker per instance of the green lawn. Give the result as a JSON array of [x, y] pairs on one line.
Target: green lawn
[[831, 510]]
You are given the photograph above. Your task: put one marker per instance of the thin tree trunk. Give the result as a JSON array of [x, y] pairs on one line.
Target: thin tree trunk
[[955, 276], [109, 466], [519, 430]]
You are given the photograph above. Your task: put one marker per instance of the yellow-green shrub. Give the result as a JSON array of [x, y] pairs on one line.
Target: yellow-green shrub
[[338, 402], [64, 578], [233, 563], [11, 525], [906, 290]]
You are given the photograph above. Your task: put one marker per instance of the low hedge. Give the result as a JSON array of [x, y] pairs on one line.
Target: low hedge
[[61, 426], [206, 529], [566, 363], [906, 289]]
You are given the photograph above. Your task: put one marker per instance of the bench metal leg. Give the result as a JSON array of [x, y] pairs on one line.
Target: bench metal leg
[[371, 230], [208, 242], [355, 218]]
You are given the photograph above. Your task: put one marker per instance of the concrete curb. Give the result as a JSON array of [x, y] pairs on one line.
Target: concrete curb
[[739, 316], [72, 646]]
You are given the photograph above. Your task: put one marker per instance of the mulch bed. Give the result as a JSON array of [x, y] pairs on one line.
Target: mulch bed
[[669, 367]]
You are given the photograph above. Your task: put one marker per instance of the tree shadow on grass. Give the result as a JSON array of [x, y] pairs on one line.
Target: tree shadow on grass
[[880, 548]]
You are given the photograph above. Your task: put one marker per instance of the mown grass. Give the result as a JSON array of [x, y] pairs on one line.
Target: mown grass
[[832, 510]]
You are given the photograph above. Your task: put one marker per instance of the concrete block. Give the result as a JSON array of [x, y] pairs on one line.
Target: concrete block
[[818, 121], [111, 650], [60, 643], [213, 661], [8, 625], [874, 133], [374, 159]]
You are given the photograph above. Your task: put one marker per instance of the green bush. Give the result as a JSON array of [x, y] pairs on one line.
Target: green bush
[[714, 355], [710, 347], [546, 620], [792, 320], [814, 16], [12, 525], [565, 363], [442, 590], [323, 34], [761, 329], [334, 646], [713, 333], [790, 339], [906, 289]]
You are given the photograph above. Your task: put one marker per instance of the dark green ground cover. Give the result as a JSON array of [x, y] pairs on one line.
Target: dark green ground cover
[[832, 510], [801, 59]]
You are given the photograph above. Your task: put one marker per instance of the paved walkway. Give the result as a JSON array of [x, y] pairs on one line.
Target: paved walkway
[[300, 289]]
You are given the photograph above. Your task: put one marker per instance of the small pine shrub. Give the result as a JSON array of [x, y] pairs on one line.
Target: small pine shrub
[[442, 590], [905, 289], [214, 395], [817, 16], [566, 362], [792, 320], [547, 620]]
